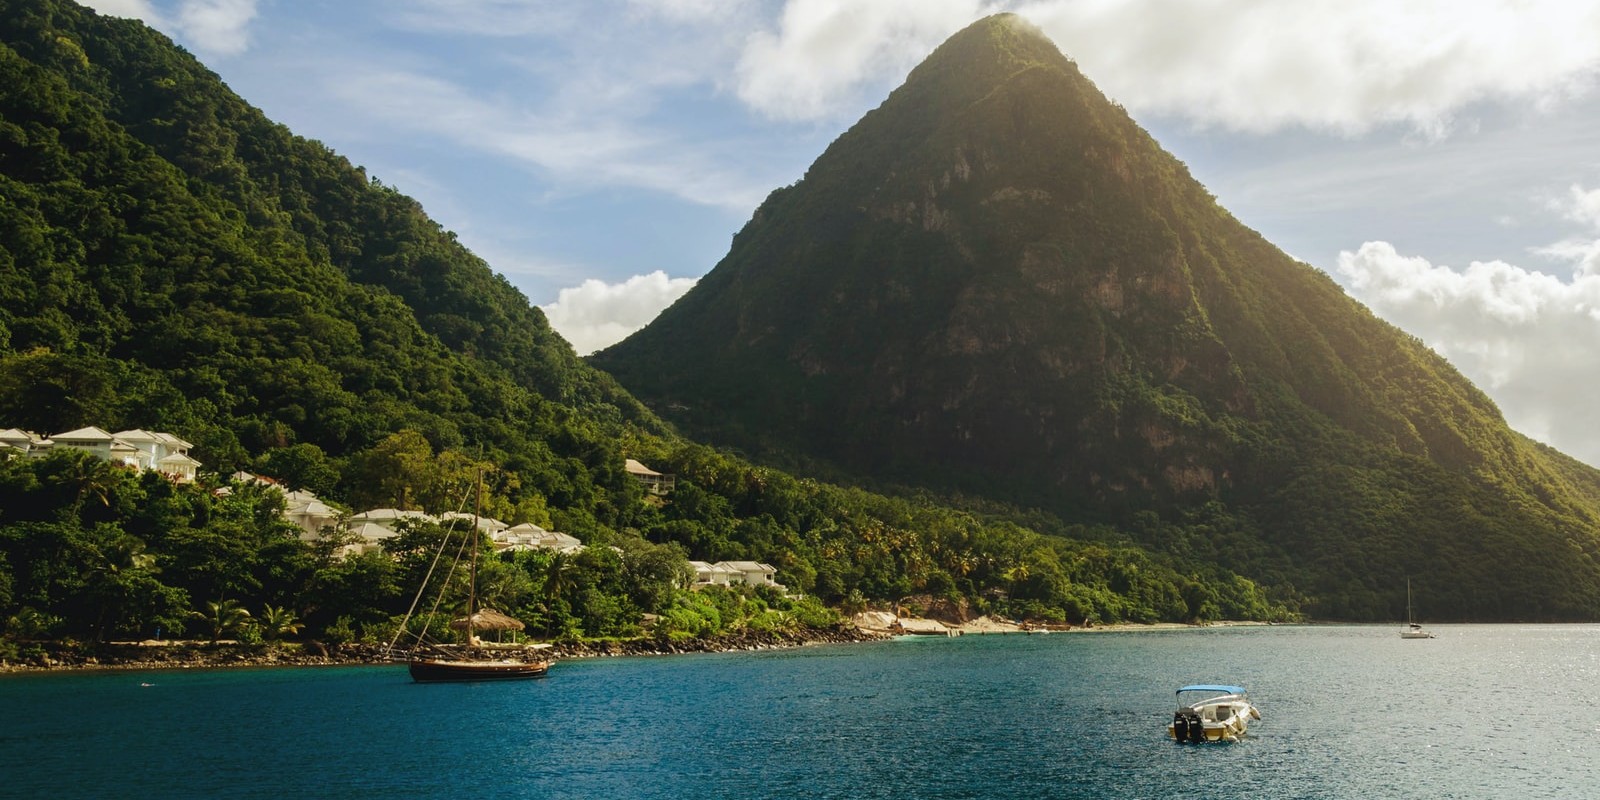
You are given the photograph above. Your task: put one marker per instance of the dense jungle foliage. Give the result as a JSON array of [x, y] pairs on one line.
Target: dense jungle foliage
[[996, 283], [172, 260]]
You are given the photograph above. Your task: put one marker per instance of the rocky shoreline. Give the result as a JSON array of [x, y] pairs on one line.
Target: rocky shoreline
[[152, 655]]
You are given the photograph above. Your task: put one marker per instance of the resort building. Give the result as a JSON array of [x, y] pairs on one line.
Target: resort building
[[708, 574], [735, 573], [488, 525], [655, 483], [135, 449], [529, 536]]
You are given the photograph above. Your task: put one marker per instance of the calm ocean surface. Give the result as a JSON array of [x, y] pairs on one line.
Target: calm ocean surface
[[1492, 711]]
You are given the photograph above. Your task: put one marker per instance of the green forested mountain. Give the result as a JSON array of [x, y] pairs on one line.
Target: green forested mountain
[[997, 284], [172, 260]]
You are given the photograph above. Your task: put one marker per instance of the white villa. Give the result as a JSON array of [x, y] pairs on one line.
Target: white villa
[[371, 528], [529, 536], [136, 449], [735, 573], [381, 523], [656, 483]]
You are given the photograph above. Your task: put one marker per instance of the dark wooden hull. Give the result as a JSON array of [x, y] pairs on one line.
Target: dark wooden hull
[[441, 670]]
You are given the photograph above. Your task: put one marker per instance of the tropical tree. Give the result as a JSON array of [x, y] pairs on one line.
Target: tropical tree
[[276, 622], [120, 581], [223, 617]]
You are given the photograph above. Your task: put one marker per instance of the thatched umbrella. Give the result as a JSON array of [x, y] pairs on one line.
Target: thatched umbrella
[[489, 620]]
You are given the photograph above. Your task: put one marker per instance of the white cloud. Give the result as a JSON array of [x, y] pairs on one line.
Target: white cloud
[[1581, 206], [1526, 338], [217, 26], [826, 51], [1249, 65], [1342, 65], [597, 314], [132, 9]]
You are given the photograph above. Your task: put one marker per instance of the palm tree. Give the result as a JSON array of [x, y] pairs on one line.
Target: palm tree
[[113, 570], [560, 577], [278, 622], [223, 617], [93, 479]]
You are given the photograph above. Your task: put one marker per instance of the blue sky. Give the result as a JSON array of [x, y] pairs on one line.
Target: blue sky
[[1438, 159]]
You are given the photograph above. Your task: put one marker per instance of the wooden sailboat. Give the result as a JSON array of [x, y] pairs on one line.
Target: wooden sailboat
[[1413, 629], [435, 662]]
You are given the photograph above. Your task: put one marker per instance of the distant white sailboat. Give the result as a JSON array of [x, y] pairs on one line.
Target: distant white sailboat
[[1413, 629]]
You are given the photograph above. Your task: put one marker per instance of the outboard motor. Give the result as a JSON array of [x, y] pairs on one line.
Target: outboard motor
[[1197, 730], [1180, 726]]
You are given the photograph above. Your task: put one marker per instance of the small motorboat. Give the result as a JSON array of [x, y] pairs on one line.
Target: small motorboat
[[1211, 713]]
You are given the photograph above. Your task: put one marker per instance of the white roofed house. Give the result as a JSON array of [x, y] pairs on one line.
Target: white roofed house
[[370, 535], [753, 573], [137, 449], [161, 452], [91, 440], [147, 447], [529, 536], [310, 515], [381, 523], [488, 525], [657, 483], [707, 574], [14, 442]]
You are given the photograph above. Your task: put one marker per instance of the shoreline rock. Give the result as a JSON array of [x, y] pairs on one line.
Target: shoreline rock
[[152, 655]]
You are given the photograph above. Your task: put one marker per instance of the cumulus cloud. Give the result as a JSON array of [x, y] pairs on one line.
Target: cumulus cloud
[[216, 27], [596, 314], [1248, 65], [1527, 338], [825, 51], [132, 9], [1581, 206]]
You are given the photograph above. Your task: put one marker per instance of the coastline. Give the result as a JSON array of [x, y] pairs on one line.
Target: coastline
[[888, 624], [869, 627], [170, 655]]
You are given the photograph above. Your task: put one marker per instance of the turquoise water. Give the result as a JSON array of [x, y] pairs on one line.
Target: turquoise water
[[1348, 712]]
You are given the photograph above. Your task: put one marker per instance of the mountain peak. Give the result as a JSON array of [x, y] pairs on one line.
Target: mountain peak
[[997, 283]]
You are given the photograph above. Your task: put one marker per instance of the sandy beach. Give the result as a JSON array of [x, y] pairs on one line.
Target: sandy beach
[[885, 622]]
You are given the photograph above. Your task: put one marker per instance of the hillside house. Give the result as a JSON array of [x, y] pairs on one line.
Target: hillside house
[[135, 449], [707, 574], [752, 573], [734, 573], [656, 483], [529, 536], [301, 507], [488, 525], [15, 442], [311, 515]]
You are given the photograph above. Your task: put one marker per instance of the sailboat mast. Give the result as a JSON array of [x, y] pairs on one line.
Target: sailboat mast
[[472, 579]]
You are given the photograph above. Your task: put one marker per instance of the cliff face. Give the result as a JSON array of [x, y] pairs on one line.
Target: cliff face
[[996, 283]]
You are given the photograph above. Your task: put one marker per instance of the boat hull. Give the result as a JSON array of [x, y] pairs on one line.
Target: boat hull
[[1225, 718], [1213, 732], [439, 670]]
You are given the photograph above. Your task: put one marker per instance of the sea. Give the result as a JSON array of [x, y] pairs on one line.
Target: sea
[[1482, 711]]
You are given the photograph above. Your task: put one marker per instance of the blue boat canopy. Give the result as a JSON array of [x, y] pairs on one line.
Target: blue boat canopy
[[1211, 687]]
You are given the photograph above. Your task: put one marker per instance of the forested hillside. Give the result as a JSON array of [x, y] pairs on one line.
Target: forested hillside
[[997, 284], [172, 260]]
